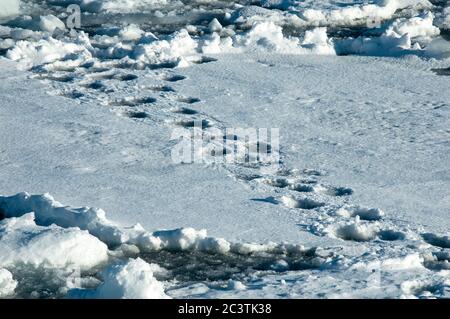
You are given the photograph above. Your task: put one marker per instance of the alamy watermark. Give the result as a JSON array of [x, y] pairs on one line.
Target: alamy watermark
[[73, 20], [195, 145]]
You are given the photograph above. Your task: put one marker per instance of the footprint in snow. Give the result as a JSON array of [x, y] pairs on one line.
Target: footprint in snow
[[173, 77], [133, 101]]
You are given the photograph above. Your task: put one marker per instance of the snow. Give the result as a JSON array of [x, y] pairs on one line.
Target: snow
[[50, 23], [7, 283], [121, 6], [9, 8], [356, 206], [127, 280], [44, 51], [421, 26], [24, 242], [357, 231]]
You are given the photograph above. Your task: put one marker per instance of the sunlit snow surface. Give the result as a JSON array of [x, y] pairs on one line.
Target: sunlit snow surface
[[359, 206]]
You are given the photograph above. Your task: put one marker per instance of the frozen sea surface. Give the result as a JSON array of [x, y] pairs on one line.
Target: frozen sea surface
[[357, 207]]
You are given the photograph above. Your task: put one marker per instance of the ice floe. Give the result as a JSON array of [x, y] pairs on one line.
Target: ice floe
[[132, 279], [7, 283], [9, 8], [24, 242]]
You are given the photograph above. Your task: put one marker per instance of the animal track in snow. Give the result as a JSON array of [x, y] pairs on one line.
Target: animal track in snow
[[137, 114], [187, 100], [64, 78], [72, 94], [364, 213], [436, 240], [391, 235], [307, 186], [113, 76], [442, 71], [438, 260], [96, 85], [356, 231], [192, 123], [133, 101], [183, 110], [162, 88], [303, 203]]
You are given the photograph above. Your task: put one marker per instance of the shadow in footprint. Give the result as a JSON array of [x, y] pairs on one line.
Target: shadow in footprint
[[162, 88], [270, 200], [125, 77], [164, 65], [193, 123], [174, 78], [131, 102], [59, 78], [445, 72], [137, 115], [391, 235], [302, 203], [435, 240], [72, 94], [302, 188], [188, 100], [340, 191], [96, 85], [184, 110]]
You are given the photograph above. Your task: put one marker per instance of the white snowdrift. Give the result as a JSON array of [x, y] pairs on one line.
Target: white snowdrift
[[420, 26], [447, 17], [400, 263], [7, 283], [127, 280], [353, 15], [397, 39], [50, 23], [121, 6], [47, 50], [24, 242], [48, 212], [355, 230], [178, 49], [9, 8], [269, 37], [305, 14]]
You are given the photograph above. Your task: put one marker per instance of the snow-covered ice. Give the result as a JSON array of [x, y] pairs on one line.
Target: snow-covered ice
[[356, 205], [7, 283], [131, 280]]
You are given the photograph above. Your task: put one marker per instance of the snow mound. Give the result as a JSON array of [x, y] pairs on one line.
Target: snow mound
[[9, 8], [437, 240], [48, 211], [356, 231], [411, 261], [50, 23], [175, 50], [420, 26], [360, 14], [269, 37], [31, 54], [447, 17], [126, 280], [364, 213], [7, 283], [120, 6], [24, 242]]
